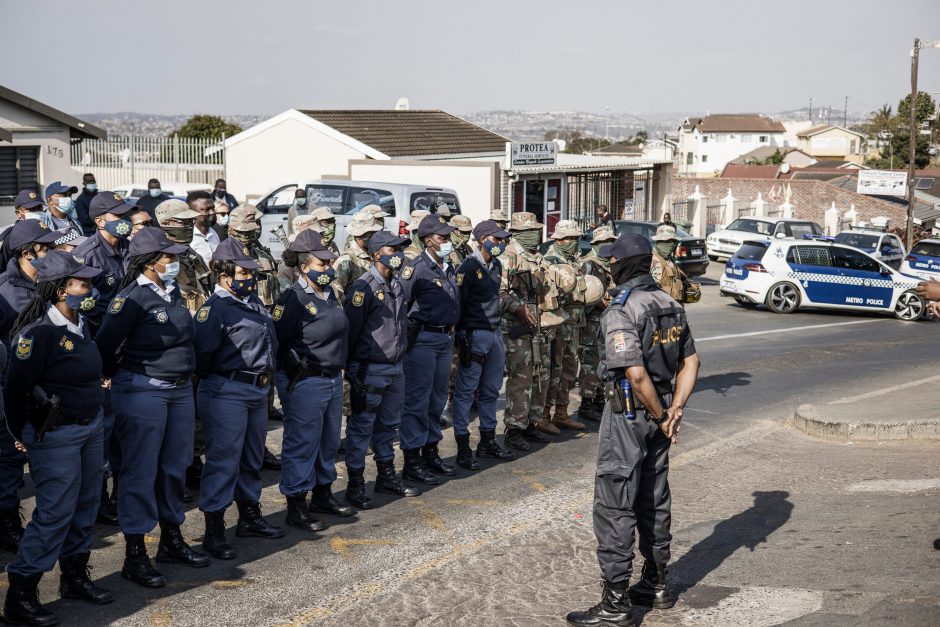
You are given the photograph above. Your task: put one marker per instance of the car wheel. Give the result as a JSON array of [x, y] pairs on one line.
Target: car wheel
[[783, 298], [910, 307], [745, 302]]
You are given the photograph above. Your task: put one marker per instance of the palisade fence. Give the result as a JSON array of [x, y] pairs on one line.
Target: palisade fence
[[129, 159]]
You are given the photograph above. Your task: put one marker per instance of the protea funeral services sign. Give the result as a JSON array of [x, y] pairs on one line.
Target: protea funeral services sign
[[532, 153]]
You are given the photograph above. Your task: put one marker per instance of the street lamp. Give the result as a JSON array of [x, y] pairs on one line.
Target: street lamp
[[886, 136], [915, 57], [607, 123]]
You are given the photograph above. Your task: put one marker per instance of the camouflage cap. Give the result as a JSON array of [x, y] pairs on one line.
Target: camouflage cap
[[416, 216], [498, 215], [594, 289], [566, 228], [375, 211], [322, 213], [524, 221], [603, 233], [665, 232], [244, 218], [461, 223], [174, 209], [300, 223], [363, 223]]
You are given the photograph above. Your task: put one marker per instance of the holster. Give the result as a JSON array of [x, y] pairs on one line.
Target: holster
[[44, 410], [357, 389], [464, 342], [614, 394], [295, 367]]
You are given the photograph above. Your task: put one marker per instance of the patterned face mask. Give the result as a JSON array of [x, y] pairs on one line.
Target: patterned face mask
[[529, 240]]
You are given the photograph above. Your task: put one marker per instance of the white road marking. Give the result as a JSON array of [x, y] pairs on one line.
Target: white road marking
[[895, 485], [735, 336], [883, 391]]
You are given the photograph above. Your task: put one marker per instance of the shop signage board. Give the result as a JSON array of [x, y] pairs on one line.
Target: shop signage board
[[532, 153], [882, 183]]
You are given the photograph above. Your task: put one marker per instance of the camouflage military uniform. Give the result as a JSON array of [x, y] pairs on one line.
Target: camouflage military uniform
[[194, 280], [594, 265], [349, 267], [370, 213], [462, 250], [416, 247], [667, 275]]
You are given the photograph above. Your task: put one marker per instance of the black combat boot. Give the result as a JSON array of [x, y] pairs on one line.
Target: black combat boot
[[107, 513], [137, 566], [614, 609], [489, 448], [271, 461], [465, 457], [651, 589], [214, 542], [432, 459], [251, 523], [22, 606], [599, 403], [11, 529], [74, 583], [356, 489], [322, 500], [588, 410], [532, 434], [414, 469], [517, 440], [194, 473], [299, 516], [388, 481], [173, 548]]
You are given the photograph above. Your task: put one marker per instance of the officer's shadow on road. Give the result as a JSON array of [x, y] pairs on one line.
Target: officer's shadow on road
[[721, 383]]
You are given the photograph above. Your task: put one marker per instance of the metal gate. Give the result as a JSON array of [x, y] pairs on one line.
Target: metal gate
[[712, 218], [19, 170]]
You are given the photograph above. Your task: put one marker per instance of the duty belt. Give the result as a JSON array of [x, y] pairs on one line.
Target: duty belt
[[259, 379], [446, 329], [175, 382]]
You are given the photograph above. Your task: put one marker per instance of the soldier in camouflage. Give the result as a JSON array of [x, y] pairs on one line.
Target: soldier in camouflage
[[325, 224], [355, 261], [460, 239], [499, 217], [372, 213], [664, 268], [194, 279], [592, 264], [244, 228], [417, 246]]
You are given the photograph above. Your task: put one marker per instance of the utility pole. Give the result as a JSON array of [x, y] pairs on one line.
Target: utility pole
[[915, 56], [845, 113], [811, 110]]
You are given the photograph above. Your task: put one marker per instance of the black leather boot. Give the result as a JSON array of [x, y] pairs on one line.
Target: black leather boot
[[532, 434], [414, 469], [22, 606], [271, 461], [251, 523], [614, 609], [516, 440], [432, 459], [214, 542], [137, 566], [465, 457], [74, 583], [11, 529], [389, 482], [322, 500], [299, 516], [588, 409], [107, 513], [356, 489], [173, 548], [489, 448], [652, 589]]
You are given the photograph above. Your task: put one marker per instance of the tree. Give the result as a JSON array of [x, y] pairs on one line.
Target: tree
[[575, 142], [882, 123], [641, 137], [924, 109], [774, 159], [207, 127]]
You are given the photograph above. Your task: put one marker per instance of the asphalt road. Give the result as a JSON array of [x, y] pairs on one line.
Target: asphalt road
[[770, 526]]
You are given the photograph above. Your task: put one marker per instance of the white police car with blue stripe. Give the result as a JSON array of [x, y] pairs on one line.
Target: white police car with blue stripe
[[791, 274], [923, 260]]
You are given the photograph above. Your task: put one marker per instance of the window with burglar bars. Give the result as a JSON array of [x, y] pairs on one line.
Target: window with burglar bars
[[622, 191]]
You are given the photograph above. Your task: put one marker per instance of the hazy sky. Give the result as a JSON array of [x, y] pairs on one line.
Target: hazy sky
[[265, 56]]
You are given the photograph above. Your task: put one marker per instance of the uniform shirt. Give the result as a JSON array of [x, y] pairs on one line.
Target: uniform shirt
[[647, 328], [98, 253], [431, 292], [353, 264], [149, 204], [148, 331], [16, 292], [234, 334], [54, 224], [376, 311], [479, 293], [62, 359], [82, 204], [205, 243], [312, 326]]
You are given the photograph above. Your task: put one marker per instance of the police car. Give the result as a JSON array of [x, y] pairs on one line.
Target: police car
[[882, 246], [924, 260], [791, 274], [723, 243]]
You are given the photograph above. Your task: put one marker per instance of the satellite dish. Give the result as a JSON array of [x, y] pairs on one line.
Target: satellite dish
[[784, 168], [562, 144], [402, 104]]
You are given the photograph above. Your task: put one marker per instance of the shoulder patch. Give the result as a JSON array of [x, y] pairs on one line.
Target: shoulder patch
[[278, 312], [116, 305], [622, 296], [24, 348], [358, 298], [479, 275], [312, 309], [460, 278], [407, 272], [203, 314], [620, 342]]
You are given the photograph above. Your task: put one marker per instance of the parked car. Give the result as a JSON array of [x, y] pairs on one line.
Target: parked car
[[345, 199], [724, 243], [923, 260], [135, 191], [788, 274], [882, 246]]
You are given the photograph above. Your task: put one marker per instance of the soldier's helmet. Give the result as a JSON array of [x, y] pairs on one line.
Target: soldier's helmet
[[566, 228], [461, 223], [524, 221], [594, 289], [244, 218], [603, 233]]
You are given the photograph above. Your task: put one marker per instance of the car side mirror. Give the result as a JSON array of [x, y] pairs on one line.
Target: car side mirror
[[886, 271], [780, 235]]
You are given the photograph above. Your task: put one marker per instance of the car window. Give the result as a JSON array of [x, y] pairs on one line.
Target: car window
[[854, 260], [928, 249], [138, 193], [858, 240], [646, 230], [430, 201], [330, 196], [751, 252], [894, 242], [278, 201], [359, 197], [751, 226], [799, 229], [810, 255]]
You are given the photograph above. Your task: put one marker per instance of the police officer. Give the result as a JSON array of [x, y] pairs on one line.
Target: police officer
[[416, 246], [377, 336], [647, 342], [60, 207], [235, 350], [24, 208], [194, 281], [592, 264], [68, 240], [56, 358], [151, 388], [312, 334], [483, 355], [432, 301]]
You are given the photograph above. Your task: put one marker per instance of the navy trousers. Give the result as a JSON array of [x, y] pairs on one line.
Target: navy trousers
[[379, 421], [234, 421], [11, 469], [483, 379], [427, 377], [155, 423], [66, 471]]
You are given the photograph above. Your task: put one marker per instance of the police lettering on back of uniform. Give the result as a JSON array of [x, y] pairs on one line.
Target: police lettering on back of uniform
[[433, 305], [647, 347]]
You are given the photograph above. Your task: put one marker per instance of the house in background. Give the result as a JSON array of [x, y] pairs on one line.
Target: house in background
[[794, 157], [832, 143], [708, 144]]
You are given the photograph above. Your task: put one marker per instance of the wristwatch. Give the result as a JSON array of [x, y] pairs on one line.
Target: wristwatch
[[662, 418]]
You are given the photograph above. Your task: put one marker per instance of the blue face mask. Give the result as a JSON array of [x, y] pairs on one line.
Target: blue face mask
[[445, 250], [155, 192], [494, 248], [92, 187], [67, 206], [393, 262], [119, 228], [321, 278], [243, 288], [82, 302], [171, 270]]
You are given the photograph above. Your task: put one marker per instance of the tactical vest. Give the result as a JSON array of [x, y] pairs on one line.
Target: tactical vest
[[268, 287], [194, 280], [671, 279]]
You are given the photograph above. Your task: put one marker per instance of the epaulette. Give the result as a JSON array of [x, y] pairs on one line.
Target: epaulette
[[622, 296]]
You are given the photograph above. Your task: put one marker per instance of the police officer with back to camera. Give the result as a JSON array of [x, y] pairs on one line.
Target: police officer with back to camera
[[312, 334], [433, 305], [482, 354], [146, 344], [235, 350], [375, 307], [53, 395], [647, 347]]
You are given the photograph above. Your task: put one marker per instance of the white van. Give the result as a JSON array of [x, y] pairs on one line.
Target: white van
[[135, 191], [345, 199]]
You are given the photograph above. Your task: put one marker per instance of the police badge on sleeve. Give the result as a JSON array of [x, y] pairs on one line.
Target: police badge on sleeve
[[24, 348]]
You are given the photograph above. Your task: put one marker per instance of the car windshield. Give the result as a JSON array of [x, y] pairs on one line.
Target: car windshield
[[858, 240], [753, 252], [928, 249], [751, 226]]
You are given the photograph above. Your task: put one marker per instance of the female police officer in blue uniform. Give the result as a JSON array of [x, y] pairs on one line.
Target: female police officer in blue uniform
[[55, 357], [146, 344], [311, 332], [235, 349]]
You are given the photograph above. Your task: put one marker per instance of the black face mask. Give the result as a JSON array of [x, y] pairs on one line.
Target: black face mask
[[630, 267], [220, 193], [179, 234]]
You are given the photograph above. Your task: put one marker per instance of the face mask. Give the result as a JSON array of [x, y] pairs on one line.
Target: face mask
[[568, 249], [393, 261], [245, 237], [119, 228], [445, 250], [82, 302], [170, 272], [222, 219], [32, 215], [243, 288], [666, 248], [92, 187], [458, 238], [301, 201], [529, 240], [67, 206], [494, 248], [326, 236], [155, 192], [220, 193], [179, 234], [321, 278], [210, 219]]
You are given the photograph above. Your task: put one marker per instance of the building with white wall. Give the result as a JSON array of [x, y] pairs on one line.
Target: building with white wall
[[706, 145]]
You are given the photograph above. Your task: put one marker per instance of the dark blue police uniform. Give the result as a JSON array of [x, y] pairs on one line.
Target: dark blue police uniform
[[16, 290]]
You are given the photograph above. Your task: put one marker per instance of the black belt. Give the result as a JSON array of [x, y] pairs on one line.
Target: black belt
[[258, 379], [175, 382], [446, 329], [319, 372]]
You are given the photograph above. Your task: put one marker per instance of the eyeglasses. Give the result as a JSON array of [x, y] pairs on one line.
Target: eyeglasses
[[140, 225]]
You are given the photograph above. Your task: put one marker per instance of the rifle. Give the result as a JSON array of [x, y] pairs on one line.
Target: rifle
[[531, 298], [51, 406]]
